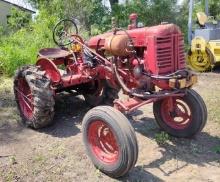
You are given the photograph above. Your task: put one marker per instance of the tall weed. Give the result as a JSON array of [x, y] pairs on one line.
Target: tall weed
[[22, 46]]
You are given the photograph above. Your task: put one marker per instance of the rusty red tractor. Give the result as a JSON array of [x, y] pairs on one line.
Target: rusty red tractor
[[146, 63]]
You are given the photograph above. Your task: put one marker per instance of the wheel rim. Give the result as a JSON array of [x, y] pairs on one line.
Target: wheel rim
[[199, 61], [103, 142], [25, 98], [179, 116]]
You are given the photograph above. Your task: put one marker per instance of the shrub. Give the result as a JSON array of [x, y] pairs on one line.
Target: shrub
[[21, 47], [162, 138], [18, 19]]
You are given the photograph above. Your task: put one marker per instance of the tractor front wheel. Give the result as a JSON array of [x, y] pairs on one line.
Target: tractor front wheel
[[34, 97], [181, 116], [110, 140]]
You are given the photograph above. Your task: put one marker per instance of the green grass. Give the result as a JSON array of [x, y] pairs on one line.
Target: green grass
[[21, 47], [39, 158], [212, 100], [162, 138], [6, 93], [209, 88], [5, 84], [13, 160]]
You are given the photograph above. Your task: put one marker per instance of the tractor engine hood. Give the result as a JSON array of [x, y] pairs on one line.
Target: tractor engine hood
[[138, 35]]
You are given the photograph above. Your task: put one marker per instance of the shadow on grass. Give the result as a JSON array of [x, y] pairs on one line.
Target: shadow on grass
[[140, 174], [70, 110], [198, 150], [9, 132], [10, 125]]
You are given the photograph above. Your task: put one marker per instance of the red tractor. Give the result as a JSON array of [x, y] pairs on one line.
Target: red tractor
[[147, 63]]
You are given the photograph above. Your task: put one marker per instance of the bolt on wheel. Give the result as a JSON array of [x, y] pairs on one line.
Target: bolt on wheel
[[103, 141], [180, 116]]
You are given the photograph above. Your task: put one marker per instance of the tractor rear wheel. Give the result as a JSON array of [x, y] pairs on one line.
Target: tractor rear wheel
[[185, 118], [110, 140], [34, 97]]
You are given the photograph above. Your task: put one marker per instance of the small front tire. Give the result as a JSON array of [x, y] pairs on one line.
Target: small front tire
[[188, 117], [110, 141]]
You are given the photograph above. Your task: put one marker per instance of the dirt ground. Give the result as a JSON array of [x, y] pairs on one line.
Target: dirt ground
[[57, 152]]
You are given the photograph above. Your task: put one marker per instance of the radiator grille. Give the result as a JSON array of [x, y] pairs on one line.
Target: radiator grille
[[170, 53], [164, 52]]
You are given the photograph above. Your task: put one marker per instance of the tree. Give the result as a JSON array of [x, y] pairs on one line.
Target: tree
[[18, 19], [86, 12], [150, 12], [214, 8]]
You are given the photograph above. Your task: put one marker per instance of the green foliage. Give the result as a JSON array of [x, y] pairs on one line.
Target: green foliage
[[150, 12], [1, 32], [88, 13], [162, 138], [214, 8], [18, 19], [22, 46], [181, 19], [26, 38]]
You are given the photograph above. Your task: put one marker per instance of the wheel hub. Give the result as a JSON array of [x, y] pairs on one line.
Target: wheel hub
[[25, 98], [103, 142], [180, 117], [199, 61]]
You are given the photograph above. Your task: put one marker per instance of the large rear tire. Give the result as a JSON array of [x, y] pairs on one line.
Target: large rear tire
[[188, 117], [110, 140], [34, 97]]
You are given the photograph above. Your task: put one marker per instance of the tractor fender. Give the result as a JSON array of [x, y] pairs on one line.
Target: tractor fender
[[50, 68]]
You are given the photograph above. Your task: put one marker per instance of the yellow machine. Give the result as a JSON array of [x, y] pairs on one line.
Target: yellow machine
[[203, 55], [204, 52]]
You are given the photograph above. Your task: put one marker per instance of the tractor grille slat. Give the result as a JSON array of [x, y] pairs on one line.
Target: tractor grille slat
[[164, 53], [165, 63], [159, 56], [164, 58], [170, 54], [181, 60]]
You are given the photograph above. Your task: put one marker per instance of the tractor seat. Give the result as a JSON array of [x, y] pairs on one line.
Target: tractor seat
[[53, 53]]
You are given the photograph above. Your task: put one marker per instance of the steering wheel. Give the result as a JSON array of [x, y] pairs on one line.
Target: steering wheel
[[62, 32]]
